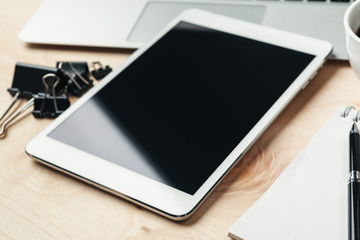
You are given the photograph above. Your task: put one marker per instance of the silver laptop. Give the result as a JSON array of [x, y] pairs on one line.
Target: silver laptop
[[129, 23]]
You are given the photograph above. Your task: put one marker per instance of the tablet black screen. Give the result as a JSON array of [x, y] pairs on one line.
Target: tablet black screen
[[184, 105]]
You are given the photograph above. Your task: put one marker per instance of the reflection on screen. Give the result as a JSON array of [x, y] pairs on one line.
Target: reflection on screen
[[179, 110]]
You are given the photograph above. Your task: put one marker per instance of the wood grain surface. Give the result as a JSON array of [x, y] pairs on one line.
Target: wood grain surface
[[37, 202]]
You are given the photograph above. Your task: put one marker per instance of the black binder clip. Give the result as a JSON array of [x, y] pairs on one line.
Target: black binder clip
[[99, 71], [76, 74], [27, 79], [48, 105], [26, 82]]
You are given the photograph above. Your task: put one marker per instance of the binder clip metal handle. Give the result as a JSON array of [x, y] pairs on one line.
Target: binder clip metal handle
[[47, 104], [15, 114], [13, 101], [76, 74], [50, 82]]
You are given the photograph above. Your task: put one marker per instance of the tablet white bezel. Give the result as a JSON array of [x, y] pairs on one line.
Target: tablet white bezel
[[147, 192]]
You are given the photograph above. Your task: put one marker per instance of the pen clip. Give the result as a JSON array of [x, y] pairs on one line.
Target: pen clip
[[348, 110]]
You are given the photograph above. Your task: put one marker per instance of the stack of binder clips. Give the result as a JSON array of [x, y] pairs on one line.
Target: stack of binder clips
[[47, 88]]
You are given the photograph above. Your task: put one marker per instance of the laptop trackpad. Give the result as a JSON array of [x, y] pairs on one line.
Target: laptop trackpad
[[157, 14]]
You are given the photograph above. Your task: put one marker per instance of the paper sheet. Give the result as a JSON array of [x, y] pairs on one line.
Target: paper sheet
[[309, 199]]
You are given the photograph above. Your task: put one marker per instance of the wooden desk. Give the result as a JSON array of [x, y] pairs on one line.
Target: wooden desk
[[37, 202]]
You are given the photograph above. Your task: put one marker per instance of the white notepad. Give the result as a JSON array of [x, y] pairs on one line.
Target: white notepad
[[309, 199]]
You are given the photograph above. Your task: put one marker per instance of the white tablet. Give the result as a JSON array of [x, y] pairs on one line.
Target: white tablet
[[164, 128]]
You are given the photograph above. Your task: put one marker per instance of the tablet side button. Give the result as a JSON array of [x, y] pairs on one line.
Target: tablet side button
[[312, 76], [307, 82]]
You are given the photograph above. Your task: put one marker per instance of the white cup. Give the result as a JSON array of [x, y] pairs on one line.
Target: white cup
[[352, 26]]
